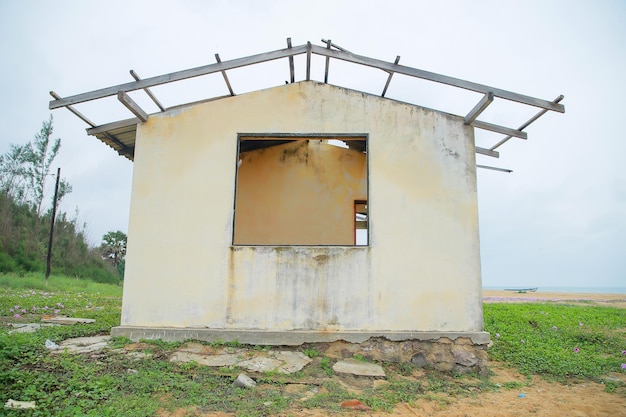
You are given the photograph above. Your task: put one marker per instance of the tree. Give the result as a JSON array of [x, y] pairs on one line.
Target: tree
[[114, 247], [24, 170], [13, 172], [39, 158]]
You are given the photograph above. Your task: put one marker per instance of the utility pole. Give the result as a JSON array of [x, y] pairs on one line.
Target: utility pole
[[54, 213]]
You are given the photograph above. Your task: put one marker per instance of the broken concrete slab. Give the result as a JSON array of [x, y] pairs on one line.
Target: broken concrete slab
[[67, 320], [83, 344], [284, 362], [28, 327], [359, 368], [292, 361], [206, 360], [260, 364]]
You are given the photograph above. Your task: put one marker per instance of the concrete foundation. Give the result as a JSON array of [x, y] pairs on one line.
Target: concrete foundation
[[457, 352]]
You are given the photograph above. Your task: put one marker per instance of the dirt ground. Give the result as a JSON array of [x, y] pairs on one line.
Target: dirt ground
[[537, 398]]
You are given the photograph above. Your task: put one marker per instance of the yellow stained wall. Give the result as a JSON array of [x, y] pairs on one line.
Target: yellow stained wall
[[420, 272], [299, 193]]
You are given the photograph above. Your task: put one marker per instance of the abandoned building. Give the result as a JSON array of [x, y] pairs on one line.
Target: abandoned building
[[306, 212]]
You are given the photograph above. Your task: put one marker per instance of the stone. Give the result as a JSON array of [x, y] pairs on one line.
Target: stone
[[465, 358], [244, 381], [419, 360], [355, 367], [462, 370], [51, 345]]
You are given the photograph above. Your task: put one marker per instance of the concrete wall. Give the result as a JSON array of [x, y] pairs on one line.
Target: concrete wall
[[420, 272], [299, 193]]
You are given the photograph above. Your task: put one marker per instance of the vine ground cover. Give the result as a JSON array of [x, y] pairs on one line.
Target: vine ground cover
[[558, 340]]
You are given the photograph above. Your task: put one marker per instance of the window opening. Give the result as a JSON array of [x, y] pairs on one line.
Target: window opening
[[360, 223], [301, 190]]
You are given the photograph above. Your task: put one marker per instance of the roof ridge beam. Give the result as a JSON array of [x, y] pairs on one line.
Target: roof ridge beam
[[178, 76], [439, 78]]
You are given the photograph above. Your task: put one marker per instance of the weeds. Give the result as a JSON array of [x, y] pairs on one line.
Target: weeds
[[311, 353], [327, 367]]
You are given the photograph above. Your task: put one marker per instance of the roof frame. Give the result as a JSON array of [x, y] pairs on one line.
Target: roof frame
[[328, 51]]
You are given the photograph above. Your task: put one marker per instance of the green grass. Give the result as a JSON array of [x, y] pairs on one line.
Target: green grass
[[558, 341], [112, 383]]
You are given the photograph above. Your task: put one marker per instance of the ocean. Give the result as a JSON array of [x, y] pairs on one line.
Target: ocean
[[591, 290]]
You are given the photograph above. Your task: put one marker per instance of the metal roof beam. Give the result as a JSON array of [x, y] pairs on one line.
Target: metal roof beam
[[292, 72], [479, 108], [488, 152], [336, 46], [500, 129], [525, 125], [217, 58], [328, 43], [495, 168], [389, 78], [73, 110], [147, 90], [308, 61], [132, 106], [443, 79], [177, 76]]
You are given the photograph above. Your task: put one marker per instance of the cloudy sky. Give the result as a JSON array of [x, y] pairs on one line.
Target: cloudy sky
[[558, 220]]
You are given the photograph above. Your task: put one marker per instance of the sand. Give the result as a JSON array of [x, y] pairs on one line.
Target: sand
[[497, 296]]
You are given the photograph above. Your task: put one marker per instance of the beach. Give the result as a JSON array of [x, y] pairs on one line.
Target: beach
[[504, 296]]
